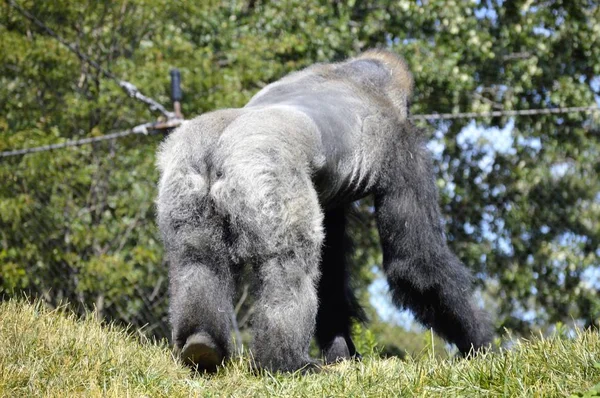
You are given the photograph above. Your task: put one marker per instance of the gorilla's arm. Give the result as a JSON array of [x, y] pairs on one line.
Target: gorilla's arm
[[423, 274]]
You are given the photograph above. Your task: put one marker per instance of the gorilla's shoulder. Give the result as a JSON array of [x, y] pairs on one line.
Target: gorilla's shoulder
[[401, 78]]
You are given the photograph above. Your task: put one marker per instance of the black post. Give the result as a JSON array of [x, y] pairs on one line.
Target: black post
[[176, 93]]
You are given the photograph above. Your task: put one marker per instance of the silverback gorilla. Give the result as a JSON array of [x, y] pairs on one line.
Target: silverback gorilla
[[269, 186]]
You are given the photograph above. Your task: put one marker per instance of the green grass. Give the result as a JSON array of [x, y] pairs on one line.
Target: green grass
[[51, 353]]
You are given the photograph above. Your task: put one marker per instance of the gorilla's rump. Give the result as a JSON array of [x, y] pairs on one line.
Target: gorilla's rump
[[263, 186]]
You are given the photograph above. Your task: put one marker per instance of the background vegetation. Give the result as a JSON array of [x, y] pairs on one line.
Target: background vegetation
[[521, 195]]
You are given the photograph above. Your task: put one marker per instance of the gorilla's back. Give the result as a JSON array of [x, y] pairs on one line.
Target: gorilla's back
[[351, 106], [342, 116]]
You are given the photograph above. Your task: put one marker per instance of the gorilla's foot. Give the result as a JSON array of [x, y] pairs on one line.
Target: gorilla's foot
[[201, 353], [337, 351]]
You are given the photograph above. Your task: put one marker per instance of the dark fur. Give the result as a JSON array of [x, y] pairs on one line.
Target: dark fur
[[268, 185], [338, 306]]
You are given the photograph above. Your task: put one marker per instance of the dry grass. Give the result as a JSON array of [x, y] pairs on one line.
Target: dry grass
[[50, 353]]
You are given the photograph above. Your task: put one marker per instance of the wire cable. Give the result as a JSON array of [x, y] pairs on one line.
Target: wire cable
[[128, 87], [523, 112], [145, 128]]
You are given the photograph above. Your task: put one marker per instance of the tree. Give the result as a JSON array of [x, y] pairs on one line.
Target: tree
[[78, 223]]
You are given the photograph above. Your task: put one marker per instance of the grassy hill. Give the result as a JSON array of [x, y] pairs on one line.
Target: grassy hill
[[50, 353]]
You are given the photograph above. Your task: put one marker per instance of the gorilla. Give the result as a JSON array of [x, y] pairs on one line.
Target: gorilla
[[269, 186]]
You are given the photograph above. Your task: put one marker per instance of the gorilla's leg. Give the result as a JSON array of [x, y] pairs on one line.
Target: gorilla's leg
[[288, 274], [337, 304], [424, 275], [200, 274], [286, 310], [276, 224], [196, 240], [201, 310]]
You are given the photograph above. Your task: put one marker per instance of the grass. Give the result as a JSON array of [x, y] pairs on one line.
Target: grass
[[51, 353]]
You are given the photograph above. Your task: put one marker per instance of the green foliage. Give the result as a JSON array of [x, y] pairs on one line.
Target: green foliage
[[592, 392], [365, 340], [77, 224]]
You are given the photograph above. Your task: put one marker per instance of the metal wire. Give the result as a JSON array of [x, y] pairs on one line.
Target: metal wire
[[128, 87], [148, 127], [523, 112], [144, 129]]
